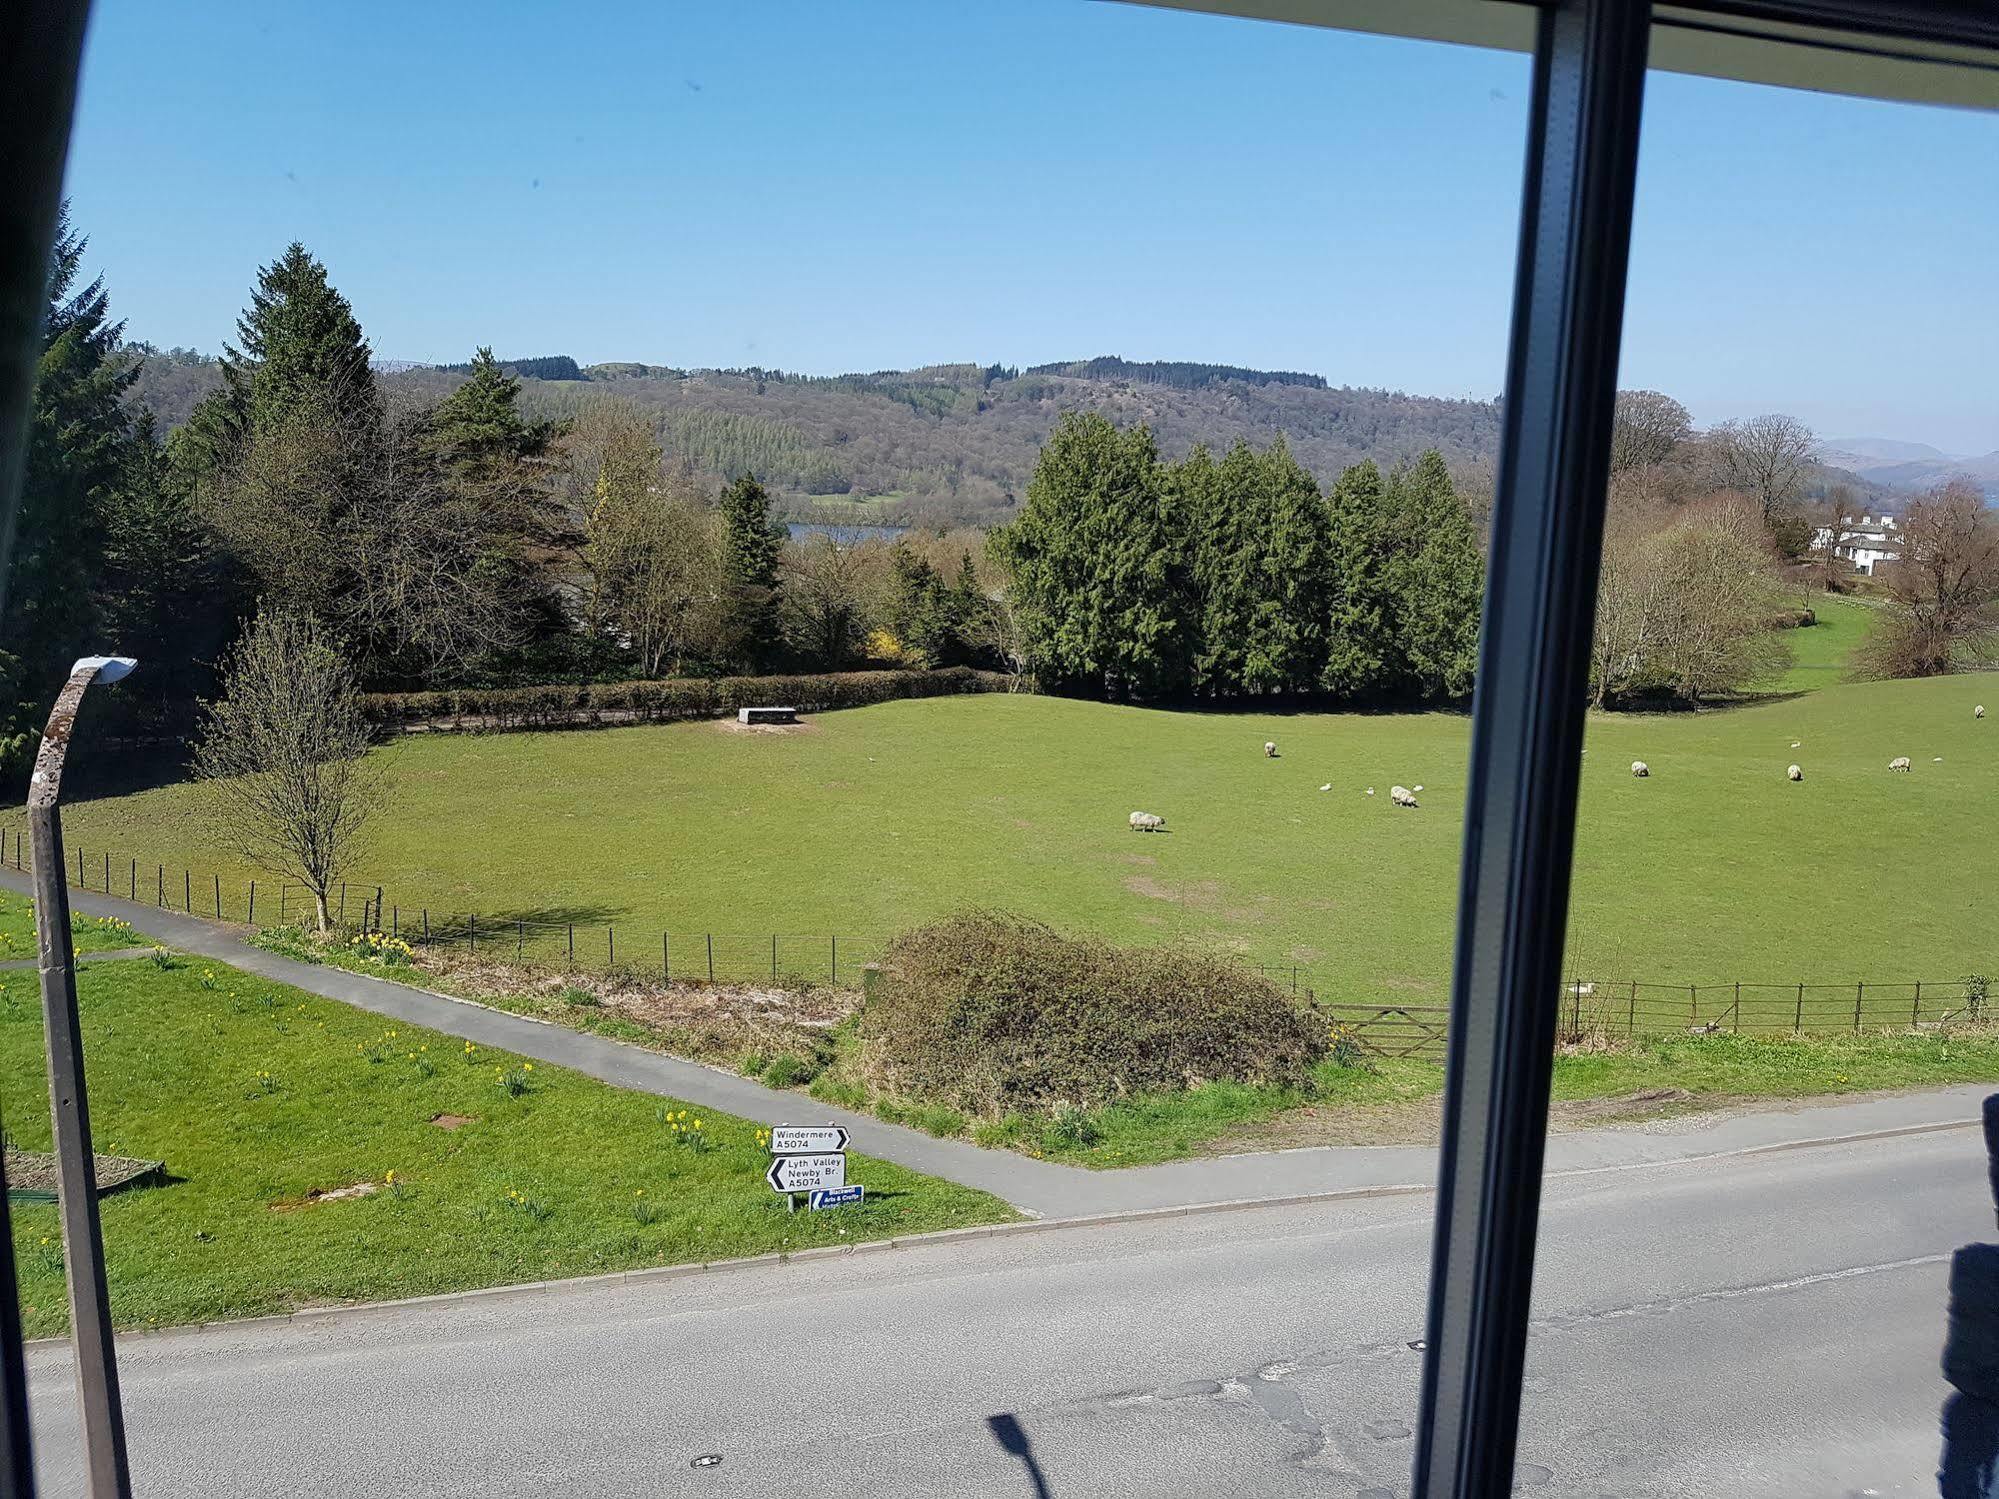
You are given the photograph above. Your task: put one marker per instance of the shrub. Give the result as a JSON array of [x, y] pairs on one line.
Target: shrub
[[993, 1014], [789, 1070], [589, 704]]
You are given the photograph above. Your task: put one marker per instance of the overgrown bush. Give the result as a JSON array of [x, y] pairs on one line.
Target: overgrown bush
[[994, 1014], [588, 704]]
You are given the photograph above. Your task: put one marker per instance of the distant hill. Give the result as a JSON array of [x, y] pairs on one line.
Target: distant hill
[[954, 443], [1910, 466]]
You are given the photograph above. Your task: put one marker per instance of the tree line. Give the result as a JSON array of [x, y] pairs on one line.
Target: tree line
[[1134, 578]]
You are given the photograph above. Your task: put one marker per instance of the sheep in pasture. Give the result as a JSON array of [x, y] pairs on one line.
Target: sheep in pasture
[[1795, 773], [1270, 749], [1327, 787], [1370, 791], [1979, 711], [1640, 769], [1900, 762], [1417, 787], [1402, 796], [1147, 822]]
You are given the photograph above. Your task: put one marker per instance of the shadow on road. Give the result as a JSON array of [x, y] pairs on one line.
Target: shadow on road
[[1012, 1438], [1970, 1467]]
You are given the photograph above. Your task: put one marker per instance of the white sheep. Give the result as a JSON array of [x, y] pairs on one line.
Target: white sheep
[[1147, 822], [1327, 787], [1417, 787], [1979, 711], [1640, 769], [1900, 762], [1270, 749], [1402, 796], [1795, 773], [1370, 791]]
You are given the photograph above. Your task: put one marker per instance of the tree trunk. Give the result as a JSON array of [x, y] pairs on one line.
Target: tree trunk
[[319, 897]]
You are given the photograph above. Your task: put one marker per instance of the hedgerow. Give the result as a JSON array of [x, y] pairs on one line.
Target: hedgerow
[[996, 1014]]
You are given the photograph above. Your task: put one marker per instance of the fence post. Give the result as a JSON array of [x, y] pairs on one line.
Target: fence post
[[343, 903], [1631, 1020], [610, 946], [82, 884], [1858, 990], [426, 926], [160, 885], [572, 944], [253, 903], [711, 957], [1735, 1010], [835, 978], [1799, 1024], [186, 890], [773, 957], [1693, 1007], [665, 960], [520, 937], [107, 874], [281, 902], [474, 920], [1916, 1009], [378, 909], [135, 879], [218, 897]]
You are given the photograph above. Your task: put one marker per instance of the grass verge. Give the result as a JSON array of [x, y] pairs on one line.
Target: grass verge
[[261, 1100], [87, 933]]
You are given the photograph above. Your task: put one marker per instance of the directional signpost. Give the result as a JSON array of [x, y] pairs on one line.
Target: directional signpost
[[811, 1158]]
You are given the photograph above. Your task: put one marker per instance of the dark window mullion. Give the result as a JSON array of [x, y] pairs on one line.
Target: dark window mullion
[[1527, 724]]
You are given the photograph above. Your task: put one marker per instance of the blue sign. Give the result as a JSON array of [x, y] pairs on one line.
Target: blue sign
[[837, 1197]]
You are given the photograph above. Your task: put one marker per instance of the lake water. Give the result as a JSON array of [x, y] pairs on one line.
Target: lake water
[[845, 535]]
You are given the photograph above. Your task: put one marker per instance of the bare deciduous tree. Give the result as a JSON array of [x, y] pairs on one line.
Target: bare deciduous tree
[[1943, 590], [1645, 429], [283, 754], [1767, 458], [827, 590]]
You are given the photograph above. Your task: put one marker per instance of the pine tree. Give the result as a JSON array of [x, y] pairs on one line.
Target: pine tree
[[1360, 643], [79, 438], [1260, 559], [751, 545], [1437, 576], [1099, 566], [302, 354]]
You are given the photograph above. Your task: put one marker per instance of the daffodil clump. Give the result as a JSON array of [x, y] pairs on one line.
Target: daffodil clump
[[378, 947], [514, 1081], [689, 1133]]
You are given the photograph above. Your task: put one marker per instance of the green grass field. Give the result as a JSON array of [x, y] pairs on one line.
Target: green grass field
[[87, 933], [1822, 654], [256, 1096], [1714, 869]]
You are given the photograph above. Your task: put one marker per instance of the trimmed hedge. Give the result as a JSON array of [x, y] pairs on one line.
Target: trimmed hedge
[[995, 1014], [595, 704]]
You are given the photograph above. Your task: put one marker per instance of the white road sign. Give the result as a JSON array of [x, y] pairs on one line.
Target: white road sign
[[807, 1173], [806, 1139]]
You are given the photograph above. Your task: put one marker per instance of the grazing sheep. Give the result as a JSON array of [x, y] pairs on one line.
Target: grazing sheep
[[1270, 749], [1417, 787], [1370, 791], [1327, 787], [1900, 762], [1795, 774], [1402, 796], [1797, 744], [1147, 822], [1979, 711], [1640, 769]]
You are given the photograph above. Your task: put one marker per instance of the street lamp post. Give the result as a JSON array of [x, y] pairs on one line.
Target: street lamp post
[[103, 1416]]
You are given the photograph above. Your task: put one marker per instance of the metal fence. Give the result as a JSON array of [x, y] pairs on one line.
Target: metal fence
[[1589, 1008], [586, 940]]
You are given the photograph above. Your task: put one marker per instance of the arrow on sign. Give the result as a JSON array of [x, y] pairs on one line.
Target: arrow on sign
[[807, 1173], [806, 1139]]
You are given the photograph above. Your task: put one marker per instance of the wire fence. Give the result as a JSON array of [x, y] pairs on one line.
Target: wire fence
[[585, 939]]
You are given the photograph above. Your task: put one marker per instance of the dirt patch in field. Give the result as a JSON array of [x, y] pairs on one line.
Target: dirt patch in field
[[318, 1195], [730, 726], [449, 1122], [1202, 895]]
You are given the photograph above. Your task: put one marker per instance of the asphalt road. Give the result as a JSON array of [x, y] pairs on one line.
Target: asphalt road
[[1763, 1325]]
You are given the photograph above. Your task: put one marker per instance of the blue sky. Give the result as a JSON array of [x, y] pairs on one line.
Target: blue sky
[[881, 183]]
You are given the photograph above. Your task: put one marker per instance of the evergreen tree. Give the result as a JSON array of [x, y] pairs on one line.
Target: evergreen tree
[[1436, 574], [751, 545], [79, 438], [302, 354], [1360, 643], [1098, 565], [1260, 569], [495, 467]]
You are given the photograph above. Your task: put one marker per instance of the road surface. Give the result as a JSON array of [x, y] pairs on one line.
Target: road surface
[[1760, 1325]]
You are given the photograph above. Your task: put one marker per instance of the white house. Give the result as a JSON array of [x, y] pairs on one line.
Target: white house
[[1871, 539]]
